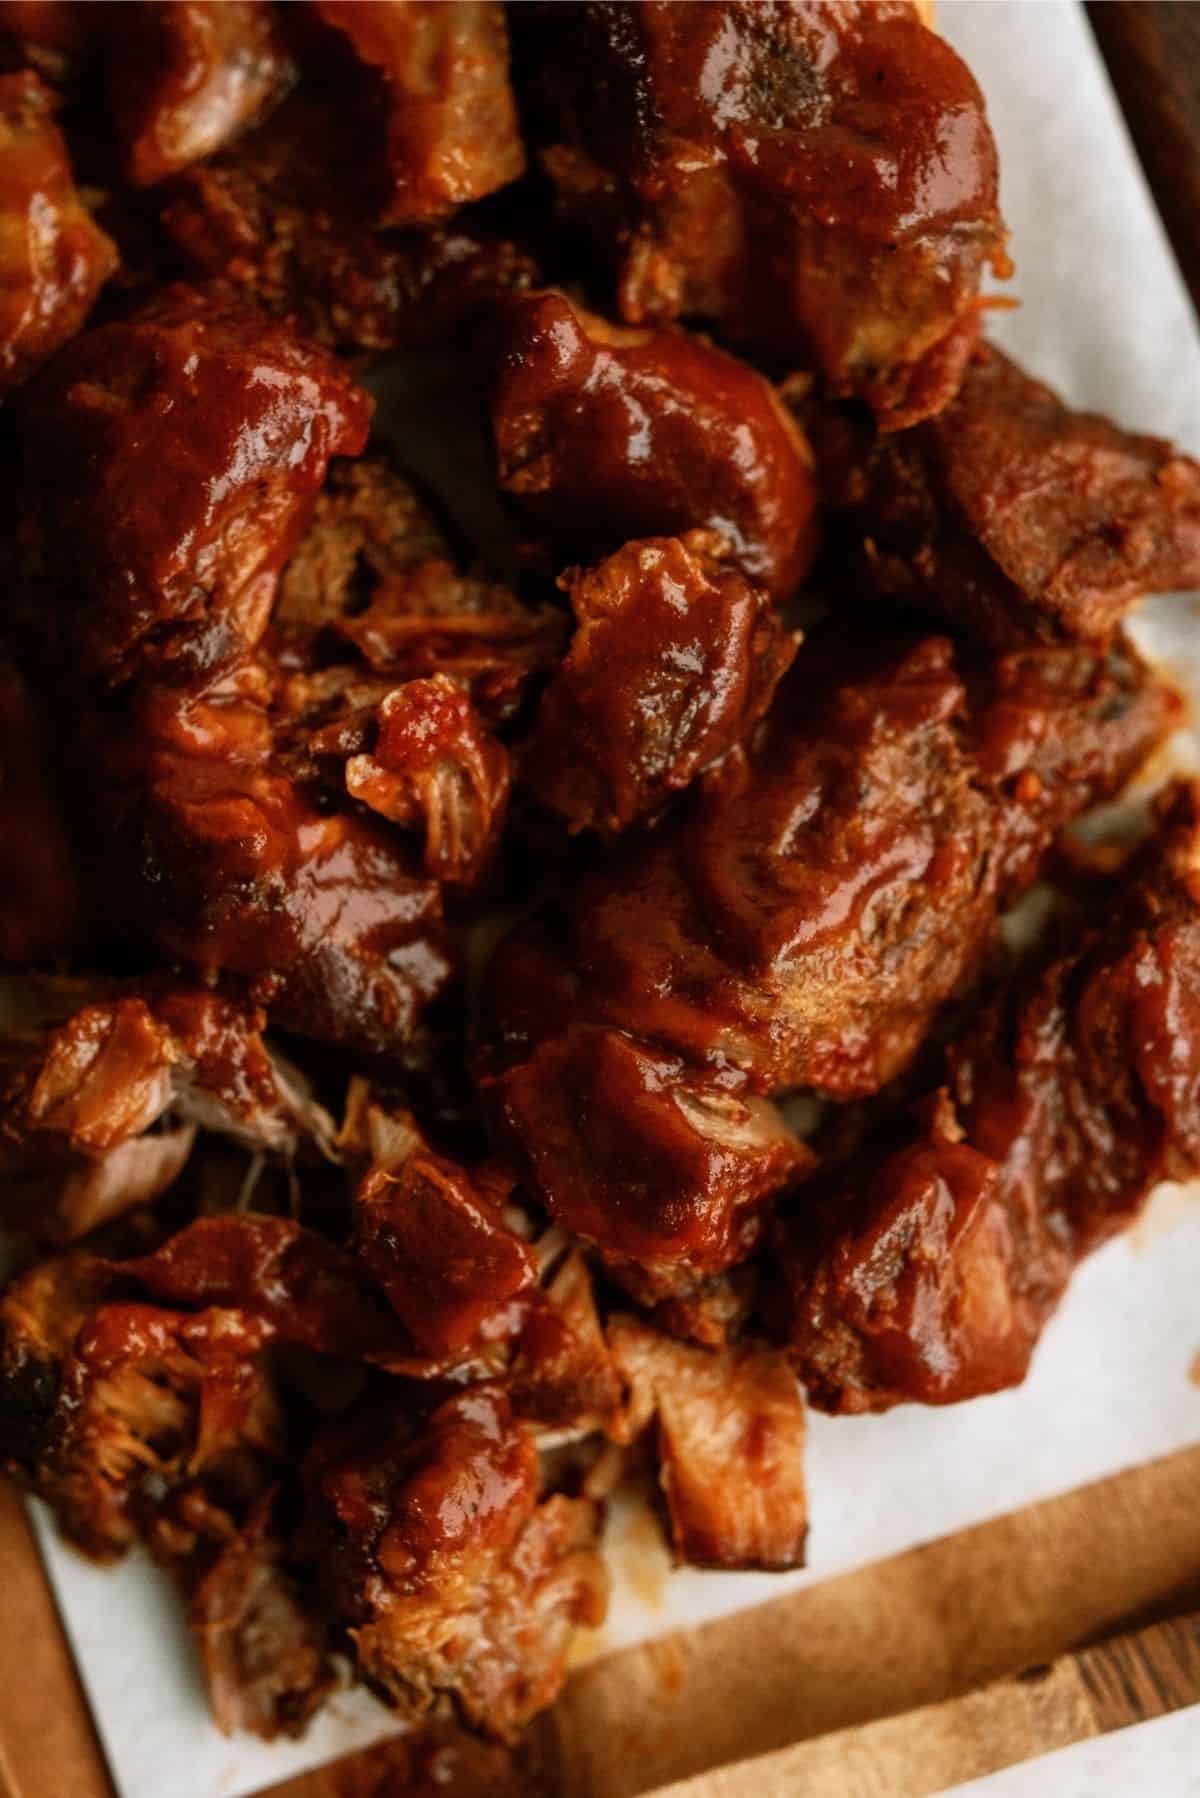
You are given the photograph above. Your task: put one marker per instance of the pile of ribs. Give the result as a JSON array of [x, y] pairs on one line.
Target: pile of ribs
[[474, 1027]]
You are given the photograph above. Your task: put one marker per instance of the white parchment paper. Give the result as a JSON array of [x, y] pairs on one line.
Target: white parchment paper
[[1105, 317]]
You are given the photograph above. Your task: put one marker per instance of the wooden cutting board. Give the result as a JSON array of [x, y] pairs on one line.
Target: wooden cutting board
[[1152, 50], [1128, 1679]]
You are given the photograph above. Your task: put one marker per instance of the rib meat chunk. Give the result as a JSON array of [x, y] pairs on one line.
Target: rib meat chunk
[[264, 1650], [439, 76], [235, 854], [603, 434], [910, 1289], [797, 923], [375, 574], [280, 216], [228, 863], [103, 1089], [563, 1377], [1056, 729], [819, 897], [435, 1239], [436, 768], [288, 809], [232, 788], [1016, 517], [730, 1441], [478, 1294], [450, 1574], [675, 658], [224, 817], [107, 1408], [55, 258], [663, 1166], [308, 1291], [820, 180], [135, 1422], [170, 463], [926, 1268], [78, 1116], [187, 76]]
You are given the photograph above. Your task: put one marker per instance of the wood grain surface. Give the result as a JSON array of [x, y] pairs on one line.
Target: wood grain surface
[[1077, 1697], [1152, 50], [48, 1746]]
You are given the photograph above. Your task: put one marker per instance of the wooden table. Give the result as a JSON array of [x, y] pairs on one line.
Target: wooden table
[[1152, 49]]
